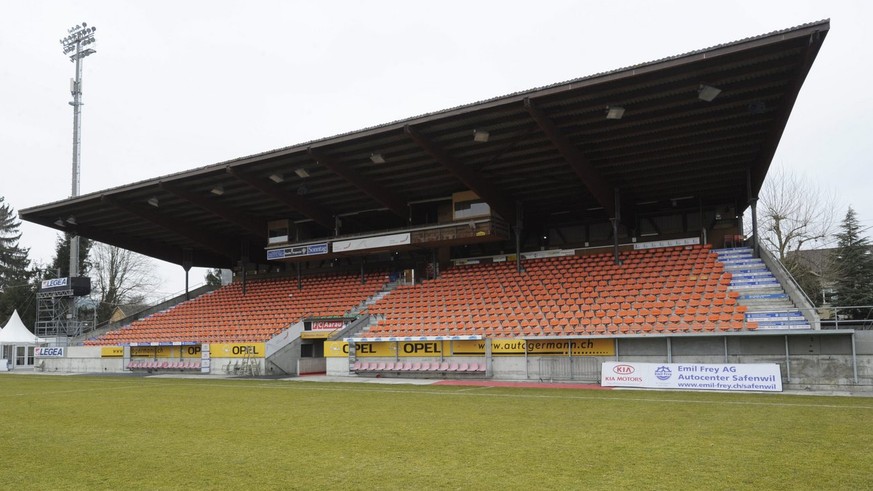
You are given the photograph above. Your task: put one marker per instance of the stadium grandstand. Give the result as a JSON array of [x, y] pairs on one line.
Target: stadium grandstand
[[533, 235]]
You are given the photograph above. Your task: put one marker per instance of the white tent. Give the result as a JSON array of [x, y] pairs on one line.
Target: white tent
[[15, 335]]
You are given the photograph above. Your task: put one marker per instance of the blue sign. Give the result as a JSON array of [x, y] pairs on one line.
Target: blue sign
[[663, 372], [297, 251]]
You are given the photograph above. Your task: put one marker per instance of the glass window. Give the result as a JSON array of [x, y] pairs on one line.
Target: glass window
[[471, 208]]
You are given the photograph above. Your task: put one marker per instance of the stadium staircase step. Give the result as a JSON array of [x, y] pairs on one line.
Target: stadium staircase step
[[386, 289], [765, 299], [373, 319]]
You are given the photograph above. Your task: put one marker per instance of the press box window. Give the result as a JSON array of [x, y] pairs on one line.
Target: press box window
[[467, 205], [277, 231]]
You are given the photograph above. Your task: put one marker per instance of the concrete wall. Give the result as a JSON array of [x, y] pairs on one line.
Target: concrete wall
[[816, 361], [87, 359], [82, 359]]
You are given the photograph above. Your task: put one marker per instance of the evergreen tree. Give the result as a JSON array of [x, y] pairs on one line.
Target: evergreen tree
[[61, 260], [16, 289], [854, 286], [213, 277]]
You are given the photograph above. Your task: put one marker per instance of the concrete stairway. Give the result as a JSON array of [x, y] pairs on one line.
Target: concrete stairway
[[386, 289], [768, 304]]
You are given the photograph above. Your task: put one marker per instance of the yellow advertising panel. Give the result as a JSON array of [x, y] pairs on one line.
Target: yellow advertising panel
[[579, 347], [466, 348], [236, 350], [499, 347], [315, 334], [191, 351], [154, 351], [164, 352], [111, 351], [422, 348], [340, 349]]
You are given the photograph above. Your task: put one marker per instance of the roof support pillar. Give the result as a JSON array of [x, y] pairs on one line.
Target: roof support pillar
[[615, 219], [753, 205], [519, 224]]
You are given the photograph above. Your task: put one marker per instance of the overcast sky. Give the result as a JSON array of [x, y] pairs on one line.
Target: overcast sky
[[181, 84]]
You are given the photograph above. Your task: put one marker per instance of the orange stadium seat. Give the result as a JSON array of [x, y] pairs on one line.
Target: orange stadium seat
[[266, 308], [676, 289]]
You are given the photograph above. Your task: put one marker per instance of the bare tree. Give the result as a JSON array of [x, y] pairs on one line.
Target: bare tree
[[794, 213], [120, 277]]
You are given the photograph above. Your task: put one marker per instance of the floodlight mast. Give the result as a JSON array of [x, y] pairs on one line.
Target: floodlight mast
[[77, 45]]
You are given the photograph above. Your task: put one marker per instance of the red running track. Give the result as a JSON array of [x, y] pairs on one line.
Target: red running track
[[524, 385]]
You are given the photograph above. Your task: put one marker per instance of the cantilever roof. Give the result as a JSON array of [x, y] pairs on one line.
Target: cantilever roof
[[551, 149]]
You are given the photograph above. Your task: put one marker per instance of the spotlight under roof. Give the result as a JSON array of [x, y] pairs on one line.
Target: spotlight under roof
[[377, 158], [614, 112], [707, 93]]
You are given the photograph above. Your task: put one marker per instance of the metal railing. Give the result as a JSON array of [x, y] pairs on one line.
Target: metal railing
[[831, 317], [792, 288]]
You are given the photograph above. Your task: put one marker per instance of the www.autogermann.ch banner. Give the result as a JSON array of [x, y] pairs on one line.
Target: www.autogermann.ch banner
[[766, 377]]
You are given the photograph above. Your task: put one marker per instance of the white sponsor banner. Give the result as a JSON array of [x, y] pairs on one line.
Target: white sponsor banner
[[54, 283], [765, 377], [371, 242], [48, 352], [205, 358]]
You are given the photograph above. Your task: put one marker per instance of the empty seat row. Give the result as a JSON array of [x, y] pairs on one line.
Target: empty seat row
[[442, 367], [267, 307], [163, 365]]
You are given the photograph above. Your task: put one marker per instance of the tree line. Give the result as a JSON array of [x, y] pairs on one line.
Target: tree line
[[831, 259], [118, 277]]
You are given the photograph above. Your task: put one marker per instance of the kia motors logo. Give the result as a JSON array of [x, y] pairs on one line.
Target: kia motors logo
[[623, 369]]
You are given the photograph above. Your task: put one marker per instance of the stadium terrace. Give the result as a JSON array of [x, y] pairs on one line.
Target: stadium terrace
[[535, 235]]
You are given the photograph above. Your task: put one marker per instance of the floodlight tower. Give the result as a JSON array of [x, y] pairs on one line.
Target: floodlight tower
[[77, 45]]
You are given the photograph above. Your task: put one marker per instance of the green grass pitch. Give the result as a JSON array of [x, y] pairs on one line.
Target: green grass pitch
[[78, 432]]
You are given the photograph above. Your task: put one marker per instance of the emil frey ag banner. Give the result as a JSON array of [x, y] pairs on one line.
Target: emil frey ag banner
[[766, 377]]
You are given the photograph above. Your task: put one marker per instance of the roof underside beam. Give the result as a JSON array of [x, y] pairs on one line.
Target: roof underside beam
[[372, 189], [151, 248], [213, 243], [256, 228], [494, 196], [294, 202], [768, 150], [601, 190]]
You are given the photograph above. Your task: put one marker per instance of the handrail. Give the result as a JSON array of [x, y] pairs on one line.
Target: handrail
[[790, 276], [782, 274]]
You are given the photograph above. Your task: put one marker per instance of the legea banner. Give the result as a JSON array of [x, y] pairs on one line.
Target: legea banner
[[765, 377]]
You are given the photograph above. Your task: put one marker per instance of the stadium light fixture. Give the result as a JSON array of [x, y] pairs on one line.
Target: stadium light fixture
[[481, 136], [153, 201], [59, 222], [77, 44], [614, 112], [277, 178], [71, 220], [707, 92], [217, 190], [301, 173], [377, 158]]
